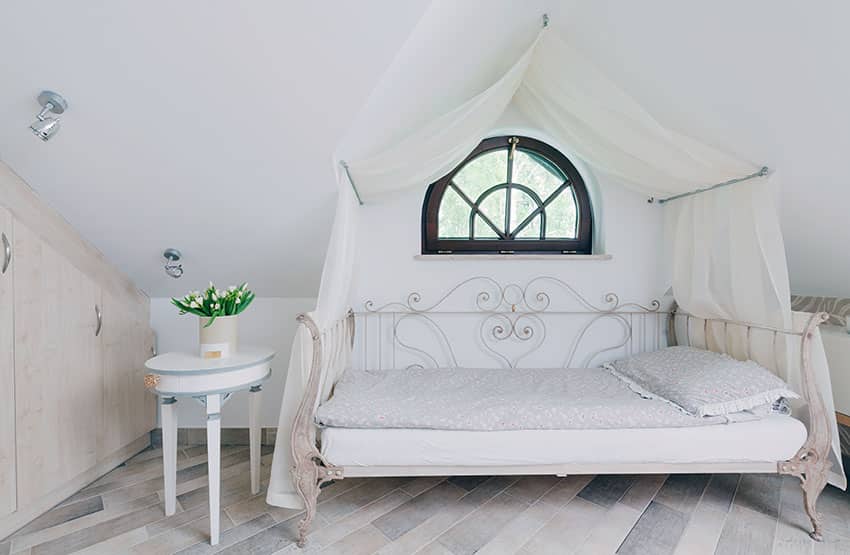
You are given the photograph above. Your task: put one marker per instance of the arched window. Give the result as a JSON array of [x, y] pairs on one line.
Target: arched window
[[512, 194]]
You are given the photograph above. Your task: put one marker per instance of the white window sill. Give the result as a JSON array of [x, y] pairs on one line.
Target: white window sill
[[561, 257]]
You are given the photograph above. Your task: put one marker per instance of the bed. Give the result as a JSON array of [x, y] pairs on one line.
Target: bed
[[411, 397]]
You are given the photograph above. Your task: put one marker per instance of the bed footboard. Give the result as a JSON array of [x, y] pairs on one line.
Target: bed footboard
[[811, 464], [310, 469]]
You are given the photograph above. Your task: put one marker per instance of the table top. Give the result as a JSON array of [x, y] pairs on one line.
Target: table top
[[187, 363]]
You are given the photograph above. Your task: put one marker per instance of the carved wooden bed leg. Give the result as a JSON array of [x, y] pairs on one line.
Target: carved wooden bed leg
[[811, 464], [308, 477], [812, 489], [812, 472], [310, 470]]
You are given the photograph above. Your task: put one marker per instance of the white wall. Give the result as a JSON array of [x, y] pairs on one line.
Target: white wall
[[269, 321]]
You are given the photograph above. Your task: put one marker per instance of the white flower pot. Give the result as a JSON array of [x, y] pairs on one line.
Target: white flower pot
[[219, 340]]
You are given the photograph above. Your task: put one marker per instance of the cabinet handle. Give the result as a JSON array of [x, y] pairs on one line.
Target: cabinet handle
[[99, 315], [7, 253]]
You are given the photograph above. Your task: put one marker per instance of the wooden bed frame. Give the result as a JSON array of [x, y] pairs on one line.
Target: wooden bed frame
[[513, 313]]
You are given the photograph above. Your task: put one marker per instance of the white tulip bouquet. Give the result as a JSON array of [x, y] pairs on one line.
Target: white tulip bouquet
[[212, 302]]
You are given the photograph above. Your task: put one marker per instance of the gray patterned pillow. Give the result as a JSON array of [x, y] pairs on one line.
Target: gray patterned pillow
[[701, 383]]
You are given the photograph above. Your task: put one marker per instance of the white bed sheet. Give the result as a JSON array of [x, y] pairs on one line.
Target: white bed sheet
[[773, 438]]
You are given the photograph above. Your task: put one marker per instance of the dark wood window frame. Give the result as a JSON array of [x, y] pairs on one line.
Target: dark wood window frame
[[582, 244]]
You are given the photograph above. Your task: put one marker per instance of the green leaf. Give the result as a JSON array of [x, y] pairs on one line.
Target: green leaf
[[246, 300]]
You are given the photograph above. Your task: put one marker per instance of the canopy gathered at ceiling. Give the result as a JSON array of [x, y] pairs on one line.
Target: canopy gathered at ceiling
[[728, 254]]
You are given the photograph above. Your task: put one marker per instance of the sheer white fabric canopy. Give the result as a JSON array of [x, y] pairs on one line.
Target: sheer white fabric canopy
[[728, 254]]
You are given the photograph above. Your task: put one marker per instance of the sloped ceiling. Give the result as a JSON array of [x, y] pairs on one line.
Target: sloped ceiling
[[210, 125], [206, 125], [766, 80]]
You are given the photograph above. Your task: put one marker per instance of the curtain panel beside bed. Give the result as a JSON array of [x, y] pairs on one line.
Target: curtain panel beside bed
[[727, 248]]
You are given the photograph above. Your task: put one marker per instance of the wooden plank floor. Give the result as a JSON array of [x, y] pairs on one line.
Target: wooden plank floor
[[647, 515]]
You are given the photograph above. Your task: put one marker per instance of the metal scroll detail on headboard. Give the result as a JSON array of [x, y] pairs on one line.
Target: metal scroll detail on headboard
[[510, 323]]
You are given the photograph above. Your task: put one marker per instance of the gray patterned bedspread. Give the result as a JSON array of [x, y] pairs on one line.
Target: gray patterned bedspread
[[495, 399]]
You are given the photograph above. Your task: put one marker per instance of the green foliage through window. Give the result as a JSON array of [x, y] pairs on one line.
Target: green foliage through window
[[511, 194]]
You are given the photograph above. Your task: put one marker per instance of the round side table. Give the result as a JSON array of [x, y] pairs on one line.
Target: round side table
[[212, 382]]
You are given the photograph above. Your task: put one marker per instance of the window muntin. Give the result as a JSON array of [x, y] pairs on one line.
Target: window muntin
[[511, 194]]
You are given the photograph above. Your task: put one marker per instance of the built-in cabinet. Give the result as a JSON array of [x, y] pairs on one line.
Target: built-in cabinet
[[58, 367], [8, 495], [127, 342], [74, 335]]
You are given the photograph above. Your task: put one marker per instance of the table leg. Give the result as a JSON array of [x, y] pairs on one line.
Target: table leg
[[254, 436], [214, 462], [169, 452]]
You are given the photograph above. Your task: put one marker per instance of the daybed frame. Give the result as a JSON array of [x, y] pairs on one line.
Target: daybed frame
[[515, 313]]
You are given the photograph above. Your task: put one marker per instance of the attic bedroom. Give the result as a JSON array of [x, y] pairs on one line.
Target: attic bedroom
[[434, 276]]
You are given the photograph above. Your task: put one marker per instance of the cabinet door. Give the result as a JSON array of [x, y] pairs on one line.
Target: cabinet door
[[129, 410], [58, 373], [8, 500]]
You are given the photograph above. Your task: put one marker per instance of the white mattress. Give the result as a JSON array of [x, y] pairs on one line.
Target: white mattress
[[475, 399], [776, 437]]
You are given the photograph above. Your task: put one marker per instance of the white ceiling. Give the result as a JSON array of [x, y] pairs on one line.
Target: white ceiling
[[202, 125], [764, 79], [209, 126]]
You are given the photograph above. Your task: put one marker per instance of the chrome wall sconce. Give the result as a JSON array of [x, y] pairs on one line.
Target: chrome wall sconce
[[46, 126], [172, 263]]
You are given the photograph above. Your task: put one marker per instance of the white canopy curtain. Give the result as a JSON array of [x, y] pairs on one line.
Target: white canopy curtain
[[728, 255]]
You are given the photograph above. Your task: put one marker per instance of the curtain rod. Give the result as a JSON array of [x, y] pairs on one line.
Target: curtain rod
[[350, 180], [761, 173]]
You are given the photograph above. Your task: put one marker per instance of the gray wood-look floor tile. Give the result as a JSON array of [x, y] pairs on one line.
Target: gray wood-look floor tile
[[364, 541], [24, 542], [532, 515], [99, 532], [760, 493], [656, 532], [682, 491], [411, 514], [348, 502], [531, 488], [608, 533], [518, 531], [565, 490], [793, 525], [63, 513], [332, 489], [702, 531], [567, 530], [232, 490], [251, 508], [606, 490], [473, 532], [233, 537], [834, 504], [746, 532], [180, 537], [832, 545], [425, 533], [720, 490], [643, 491], [417, 486], [332, 532], [181, 518], [117, 544], [468, 483]]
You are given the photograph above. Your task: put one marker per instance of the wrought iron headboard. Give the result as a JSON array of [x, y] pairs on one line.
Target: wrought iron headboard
[[507, 323]]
